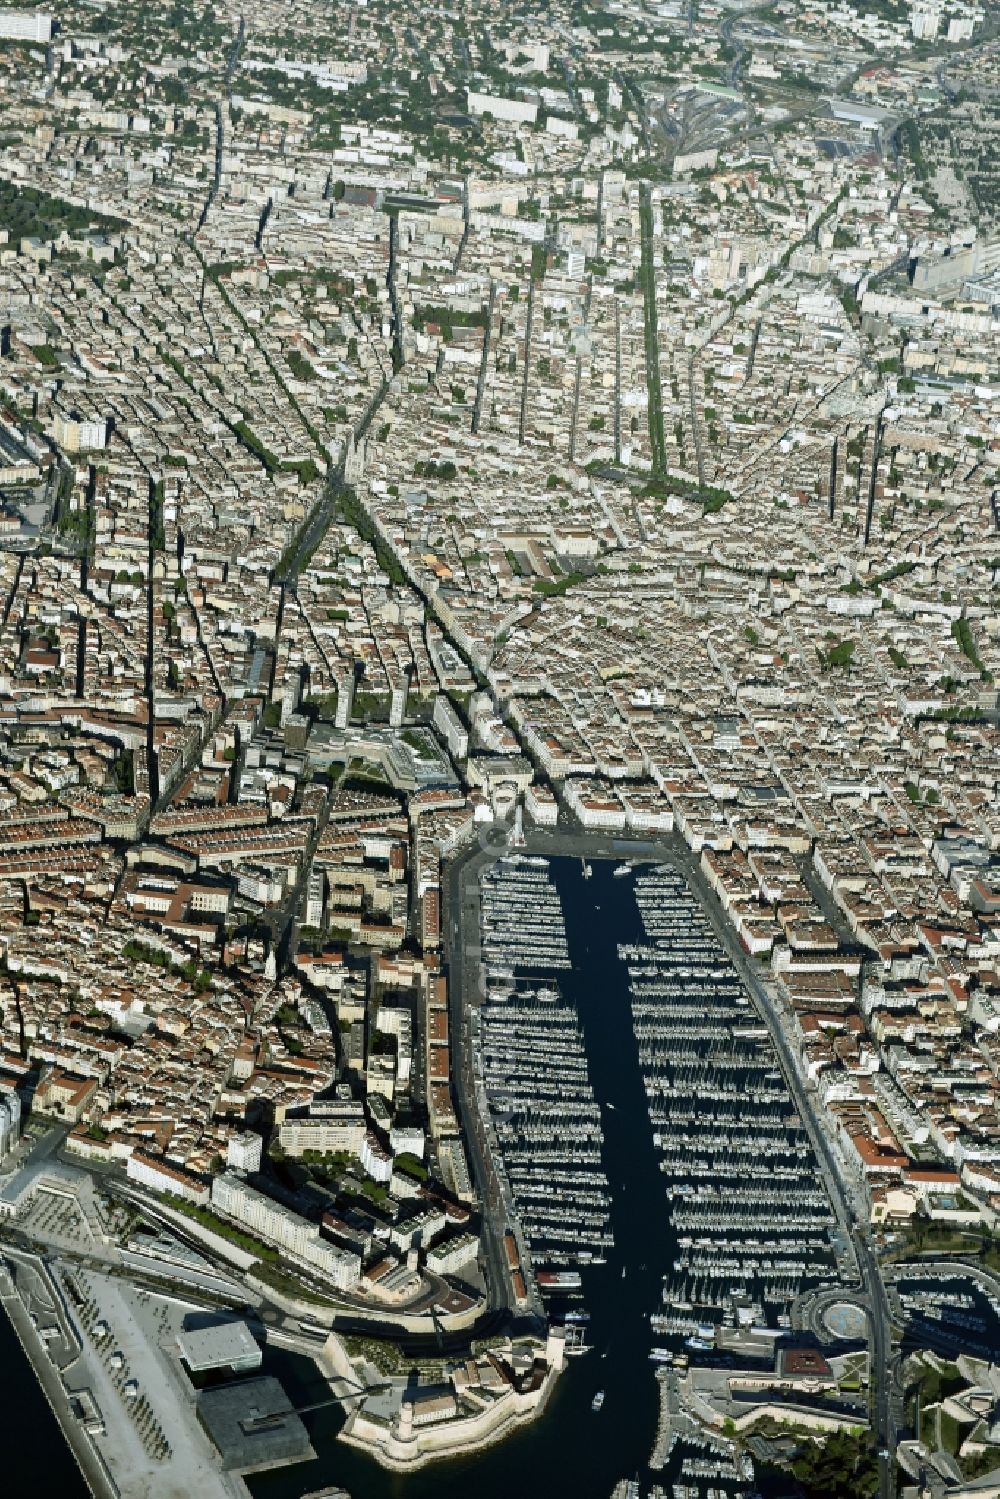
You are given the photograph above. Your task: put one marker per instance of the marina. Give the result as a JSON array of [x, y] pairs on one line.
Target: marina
[[724, 1126], [532, 1080], [950, 1312], [580, 1019], [521, 921]]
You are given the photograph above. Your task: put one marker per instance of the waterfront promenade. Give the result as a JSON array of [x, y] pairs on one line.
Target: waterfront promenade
[[104, 1353], [93, 1471]]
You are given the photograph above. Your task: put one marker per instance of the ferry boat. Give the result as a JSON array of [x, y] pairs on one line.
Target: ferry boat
[[559, 1280], [597, 1401]]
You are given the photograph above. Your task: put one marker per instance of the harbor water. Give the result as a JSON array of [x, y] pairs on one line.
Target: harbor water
[[571, 1449], [36, 1457]]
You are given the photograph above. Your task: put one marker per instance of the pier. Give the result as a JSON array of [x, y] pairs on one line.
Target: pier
[[532, 1079], [753, 1227], [40, 1356]]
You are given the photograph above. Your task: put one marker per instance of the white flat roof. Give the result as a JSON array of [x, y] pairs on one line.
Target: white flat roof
[[219, 1345]]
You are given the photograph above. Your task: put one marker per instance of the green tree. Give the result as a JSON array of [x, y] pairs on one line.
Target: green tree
[[845, 1466]]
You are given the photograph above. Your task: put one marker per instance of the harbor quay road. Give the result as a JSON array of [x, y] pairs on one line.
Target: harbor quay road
[[500, 749]]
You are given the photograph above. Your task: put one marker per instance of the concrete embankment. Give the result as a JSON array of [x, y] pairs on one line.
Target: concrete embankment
[[89, 1461], [449, 1438]]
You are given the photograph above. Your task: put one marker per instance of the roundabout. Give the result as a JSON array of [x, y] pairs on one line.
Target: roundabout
[[846, 1321]]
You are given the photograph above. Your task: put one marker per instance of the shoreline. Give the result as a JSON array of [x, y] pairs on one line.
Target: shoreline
[[462, 960], [511, 1422], [92, 1468]]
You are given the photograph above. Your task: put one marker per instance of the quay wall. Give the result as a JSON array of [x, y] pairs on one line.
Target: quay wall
[[384, 1319], [796, 1416], [421, 1322], [448, 1438], [92, 1466]]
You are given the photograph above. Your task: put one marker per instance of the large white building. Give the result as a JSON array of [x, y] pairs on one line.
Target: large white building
[[375, 1160], [340, 1127], [150, 1171], [245, 1152], [25, 26], [595, 807], [315, 898], [407, 1139], [297, 1238], [448, 1257], [451, 728], [17, 464], [396, 1020], [80, 436], [10, 1120], [419, 1231], [397, 703], [541, 806], [925, 21], [345, 700], [513, 111]]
